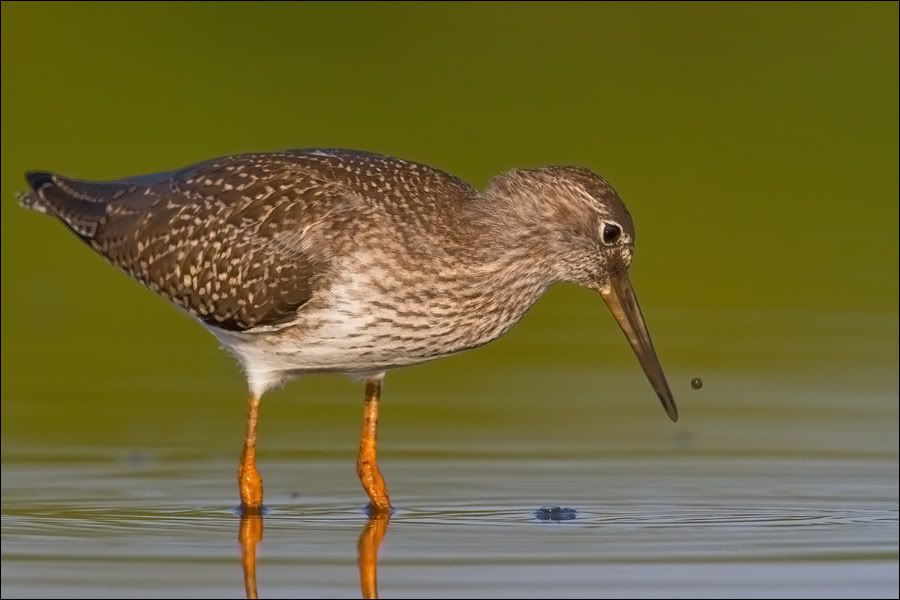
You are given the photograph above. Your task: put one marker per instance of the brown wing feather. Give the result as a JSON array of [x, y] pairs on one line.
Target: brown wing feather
[[229, 241], [240, 242]]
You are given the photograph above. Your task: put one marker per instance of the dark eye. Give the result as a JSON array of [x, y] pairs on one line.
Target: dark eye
[[611, 233]]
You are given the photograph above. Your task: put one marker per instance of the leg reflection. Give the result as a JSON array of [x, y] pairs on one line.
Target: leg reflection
[[249, 535], [367, 552]]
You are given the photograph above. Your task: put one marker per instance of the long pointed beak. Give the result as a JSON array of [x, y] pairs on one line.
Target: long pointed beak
[[623, 304]]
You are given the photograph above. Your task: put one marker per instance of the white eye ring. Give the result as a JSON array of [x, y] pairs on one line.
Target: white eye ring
[[610, 232]]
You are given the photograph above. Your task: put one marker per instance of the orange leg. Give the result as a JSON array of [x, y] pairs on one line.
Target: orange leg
[[249, 535], [367, 460], [367, 553], [249, 481]]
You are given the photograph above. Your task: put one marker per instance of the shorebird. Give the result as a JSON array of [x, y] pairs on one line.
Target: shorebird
[[328, 260]]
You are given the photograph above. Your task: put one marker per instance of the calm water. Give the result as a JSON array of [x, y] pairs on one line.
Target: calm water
[[771, 485], [649, 527]]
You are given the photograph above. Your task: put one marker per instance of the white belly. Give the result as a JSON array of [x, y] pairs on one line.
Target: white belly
[[351, 328]]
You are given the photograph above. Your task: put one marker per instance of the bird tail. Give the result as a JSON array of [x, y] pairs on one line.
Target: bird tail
[[77, 204]]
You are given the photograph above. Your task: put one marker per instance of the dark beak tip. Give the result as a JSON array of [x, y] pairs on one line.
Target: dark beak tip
[[668, 404], [622, 302]]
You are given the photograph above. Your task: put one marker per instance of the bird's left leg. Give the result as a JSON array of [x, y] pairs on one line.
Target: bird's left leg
[[367, 459]]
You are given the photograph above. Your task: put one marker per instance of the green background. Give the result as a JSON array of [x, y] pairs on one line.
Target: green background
[[755, 144]]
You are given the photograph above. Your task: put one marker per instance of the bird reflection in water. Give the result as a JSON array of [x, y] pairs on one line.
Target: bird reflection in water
[[367, 552], [251, 533]]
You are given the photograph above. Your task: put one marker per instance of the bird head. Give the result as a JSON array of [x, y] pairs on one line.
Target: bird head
[[576, 220]]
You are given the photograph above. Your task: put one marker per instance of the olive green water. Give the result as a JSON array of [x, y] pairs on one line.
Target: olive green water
[[757, 148]]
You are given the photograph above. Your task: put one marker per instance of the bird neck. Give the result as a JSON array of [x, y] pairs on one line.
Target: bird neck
[[512, 243], [509, 270]]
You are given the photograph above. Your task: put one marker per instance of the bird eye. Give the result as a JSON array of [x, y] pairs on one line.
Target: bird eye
[[611, 233]]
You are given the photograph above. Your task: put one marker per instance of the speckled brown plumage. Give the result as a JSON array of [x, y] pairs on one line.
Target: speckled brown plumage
[[253, 243], [238, 242]]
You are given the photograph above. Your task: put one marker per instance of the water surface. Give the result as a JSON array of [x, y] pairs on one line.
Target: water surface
[[648, 527]]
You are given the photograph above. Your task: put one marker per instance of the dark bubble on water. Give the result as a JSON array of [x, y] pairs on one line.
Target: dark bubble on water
[[555, 513], [696, 383]]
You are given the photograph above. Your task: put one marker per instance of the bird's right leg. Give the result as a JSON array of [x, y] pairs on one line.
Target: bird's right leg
[[249, 481]]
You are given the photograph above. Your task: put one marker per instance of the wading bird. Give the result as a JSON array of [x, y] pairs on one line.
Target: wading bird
[[322, 260]]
